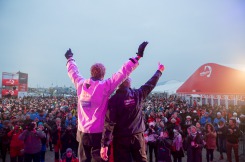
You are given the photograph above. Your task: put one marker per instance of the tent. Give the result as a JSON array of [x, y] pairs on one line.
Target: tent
[[169, 87], [213, 78]]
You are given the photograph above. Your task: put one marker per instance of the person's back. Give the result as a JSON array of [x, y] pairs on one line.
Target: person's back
[[125, 100], [32, 141], [92, 109], [125, 119]]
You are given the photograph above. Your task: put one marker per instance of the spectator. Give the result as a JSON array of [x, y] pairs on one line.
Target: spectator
[[32, 142], [152, 140], [177, 147], [27, 121], [212, 113], [70, 120], [69, 156], [177, 119], [200, 130], [159, 124], [163, 118], [188, 123], [43, 141], [4, 139], [152, 117], [221, 137], [217, 120], [33, 114], [164, 148], [210, 140], [68, 140], [205, 119], [232, 140], [183, 115], [57, 131], [194, 117], [236, 118], [50, 124], [194, 145], [16, 145], [20, 116], [41, 116], [170, 126]]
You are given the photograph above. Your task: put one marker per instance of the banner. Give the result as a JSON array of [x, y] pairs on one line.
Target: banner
[[23, 78], [23, 88], [23, 82], [10, 82], [6, 92], [13, 83]]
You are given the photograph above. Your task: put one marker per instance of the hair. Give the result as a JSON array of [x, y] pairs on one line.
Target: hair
[[211, 125], [192, 126], [126, 83], [57, 119], [233, 120], [31, 126], [97, 71], [221, 122]]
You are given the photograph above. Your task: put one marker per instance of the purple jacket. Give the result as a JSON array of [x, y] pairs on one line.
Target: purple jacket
[[92, 101]]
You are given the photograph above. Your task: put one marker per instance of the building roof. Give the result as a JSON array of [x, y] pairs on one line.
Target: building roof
[[212, 78]]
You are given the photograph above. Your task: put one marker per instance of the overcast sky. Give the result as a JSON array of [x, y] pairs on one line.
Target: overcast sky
[[183, 35]]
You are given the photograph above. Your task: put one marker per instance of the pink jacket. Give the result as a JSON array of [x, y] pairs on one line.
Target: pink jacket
[[211, 140], [92, 101]]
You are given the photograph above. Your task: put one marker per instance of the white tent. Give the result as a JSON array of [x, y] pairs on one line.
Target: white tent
[[169, 87]]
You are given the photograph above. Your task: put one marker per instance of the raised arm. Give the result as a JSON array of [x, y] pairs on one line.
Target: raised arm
[[127, 68], [151, 83], [72, 69]]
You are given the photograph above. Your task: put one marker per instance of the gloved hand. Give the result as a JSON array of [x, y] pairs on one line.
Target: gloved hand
[[68, 54], [161, 67], [141, 49]]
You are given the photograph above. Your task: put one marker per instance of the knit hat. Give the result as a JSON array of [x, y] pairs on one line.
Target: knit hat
[[152, 124], [40, 123], [68, 150], [188, 117], [6, 122], [173, 120]]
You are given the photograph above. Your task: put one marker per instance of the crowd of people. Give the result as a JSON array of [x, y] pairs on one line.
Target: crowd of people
[[174, 129], [191, 128], [29, 126]]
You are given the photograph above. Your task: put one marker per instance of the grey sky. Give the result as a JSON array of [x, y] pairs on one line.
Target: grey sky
[[183, 35]]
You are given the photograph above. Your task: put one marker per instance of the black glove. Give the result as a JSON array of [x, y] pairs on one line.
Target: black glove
[[68, 54], [141, 49]]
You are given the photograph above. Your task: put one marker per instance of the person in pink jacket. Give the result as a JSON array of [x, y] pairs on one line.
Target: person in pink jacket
[[210, 139], [93, 94]]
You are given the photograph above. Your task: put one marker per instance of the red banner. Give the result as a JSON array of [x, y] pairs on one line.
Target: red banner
[[10, 82], [23, 87], [6, 92]]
